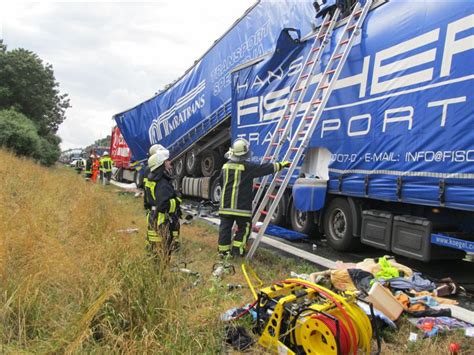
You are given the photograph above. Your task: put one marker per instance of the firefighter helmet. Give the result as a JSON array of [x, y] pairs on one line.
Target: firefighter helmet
[[240, 147], [157, 159], [154, 148]]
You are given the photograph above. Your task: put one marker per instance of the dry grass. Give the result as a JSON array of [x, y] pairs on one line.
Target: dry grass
[[70, 283]]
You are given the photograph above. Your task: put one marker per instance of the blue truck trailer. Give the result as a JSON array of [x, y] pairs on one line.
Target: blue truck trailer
[[391, 161], [191, 117]]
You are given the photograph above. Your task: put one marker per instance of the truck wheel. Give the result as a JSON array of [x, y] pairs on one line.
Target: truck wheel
[[210, 162], [339, 226], [176, 183], [303, 222], [193, 163], [179, 167], [279, 217], [216, 190], [138, 178]]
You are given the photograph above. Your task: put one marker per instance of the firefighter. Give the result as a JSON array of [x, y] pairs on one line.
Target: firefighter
[[165, 210], [236, 200], [106, 168], [89, 163], [147, 203], [79, 165]]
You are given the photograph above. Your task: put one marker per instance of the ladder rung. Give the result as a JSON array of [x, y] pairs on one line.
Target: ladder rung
[[316, 102], [344, 42], [272, 196], [295, 149], [267, 158], [286, 117], [332, 71], [315, 49], [293, 103], [357, 13], [308, 118], [310, 62], [304, 76], [274, 144], [256, 186], [324, 86], [337, 56], [279, 180], [301, 133], [280, 130], [264, 212], [300, 89], [350, 28]]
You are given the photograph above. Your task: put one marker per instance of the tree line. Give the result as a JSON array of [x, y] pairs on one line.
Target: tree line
[[31, 105]]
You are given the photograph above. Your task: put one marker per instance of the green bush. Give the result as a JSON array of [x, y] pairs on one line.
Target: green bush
[[20, 134]]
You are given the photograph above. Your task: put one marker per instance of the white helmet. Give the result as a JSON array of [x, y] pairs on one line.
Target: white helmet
[[157, 159], [92, 156], [240, 148], [154, 148], [105, 153]]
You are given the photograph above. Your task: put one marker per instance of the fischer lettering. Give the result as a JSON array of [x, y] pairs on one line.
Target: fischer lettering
[[404, 76]]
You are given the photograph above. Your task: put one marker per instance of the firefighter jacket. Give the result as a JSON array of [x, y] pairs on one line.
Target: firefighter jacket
[[106, 164], [88, 166], [236, 181], [146, 202], [160, 194]]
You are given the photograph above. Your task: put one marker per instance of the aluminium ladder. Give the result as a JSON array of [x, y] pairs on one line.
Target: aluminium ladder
[[309, 120], [297, 95]]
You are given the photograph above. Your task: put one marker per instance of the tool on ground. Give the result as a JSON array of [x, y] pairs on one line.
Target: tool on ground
[[312, 114], [297, 316], [184, 269], [222, 268]]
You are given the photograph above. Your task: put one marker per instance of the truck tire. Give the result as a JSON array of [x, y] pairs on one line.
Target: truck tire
[[210, 162], [193, 163], [339, 225], [279, 216], [216, 190], [138, 178], [303, 222], [179, 167], [176, 183]]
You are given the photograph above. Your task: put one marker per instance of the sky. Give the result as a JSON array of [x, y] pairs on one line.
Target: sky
[[110, 56]]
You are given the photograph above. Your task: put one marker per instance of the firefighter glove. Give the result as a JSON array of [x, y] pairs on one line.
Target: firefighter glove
[[284, 164]]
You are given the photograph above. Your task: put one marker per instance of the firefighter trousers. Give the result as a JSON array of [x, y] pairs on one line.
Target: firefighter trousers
[[239, 242]]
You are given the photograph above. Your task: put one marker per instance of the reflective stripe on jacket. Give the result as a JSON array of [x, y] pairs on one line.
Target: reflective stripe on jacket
[[160, 194], [236, 181], [106, 164]]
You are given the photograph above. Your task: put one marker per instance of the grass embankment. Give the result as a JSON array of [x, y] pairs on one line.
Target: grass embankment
[[72, 283]]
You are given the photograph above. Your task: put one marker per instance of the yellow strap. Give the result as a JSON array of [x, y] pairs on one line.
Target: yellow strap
[[249, 282]]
